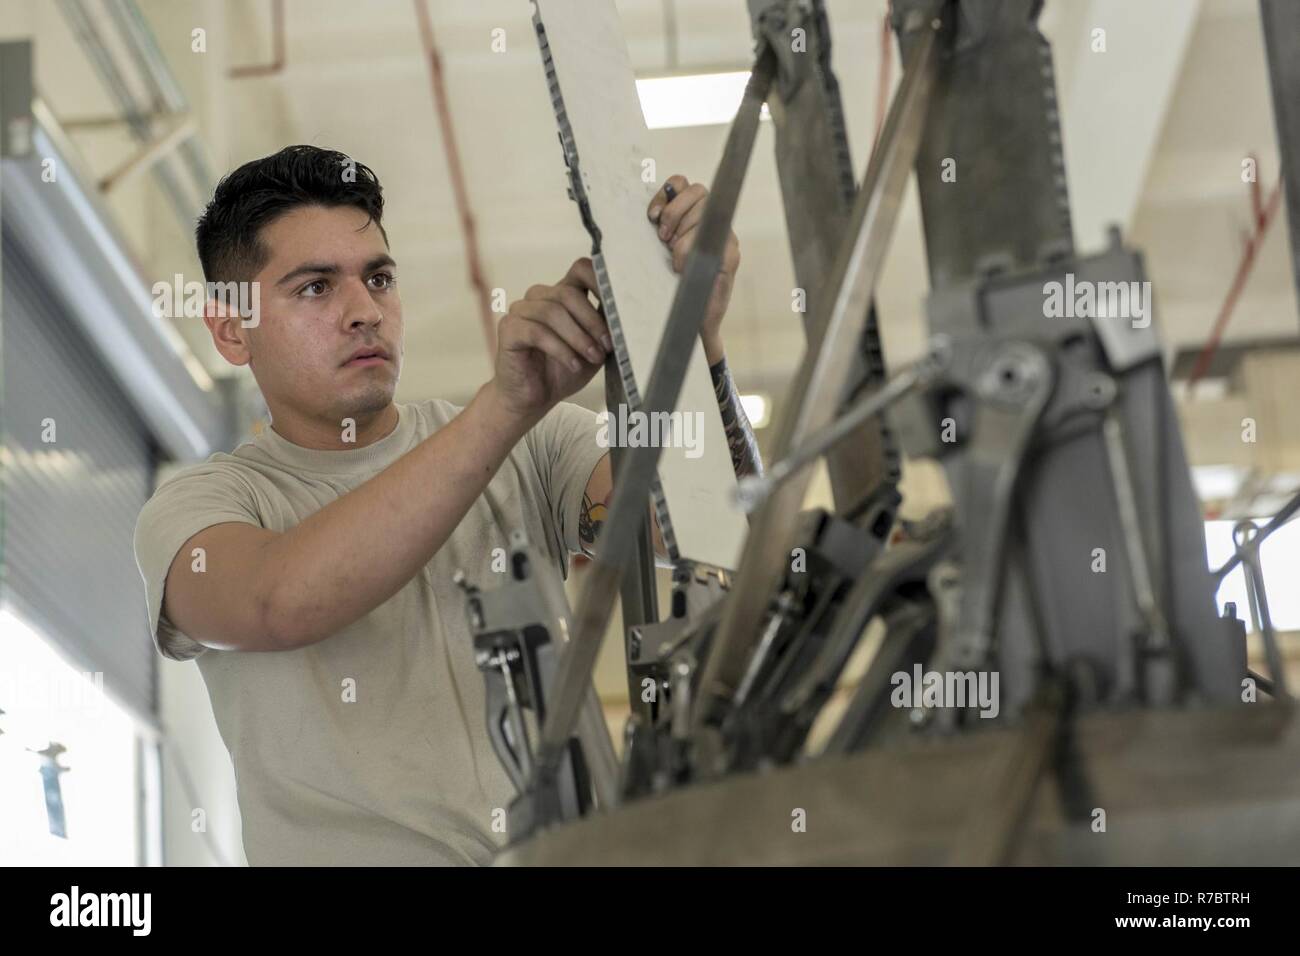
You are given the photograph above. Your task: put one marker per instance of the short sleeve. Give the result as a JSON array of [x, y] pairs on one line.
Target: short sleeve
[[197, 498], [565, 447]]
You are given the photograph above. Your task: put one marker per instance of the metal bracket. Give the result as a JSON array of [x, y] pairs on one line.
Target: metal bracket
[[521, 631]]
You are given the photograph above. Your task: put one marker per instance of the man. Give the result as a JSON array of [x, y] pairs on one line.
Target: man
[[330, 540]]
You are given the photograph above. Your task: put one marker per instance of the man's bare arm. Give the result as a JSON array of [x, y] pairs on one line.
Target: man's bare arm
[[263, 590], [745, 459], [596, 500]]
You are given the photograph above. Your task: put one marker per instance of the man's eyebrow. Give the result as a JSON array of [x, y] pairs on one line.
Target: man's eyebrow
[[308, 268], [329, 268]]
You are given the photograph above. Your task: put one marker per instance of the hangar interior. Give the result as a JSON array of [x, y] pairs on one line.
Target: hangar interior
[[1164, 119]]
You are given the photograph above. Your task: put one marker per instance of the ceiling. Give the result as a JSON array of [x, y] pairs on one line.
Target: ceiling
[[1155, 128]]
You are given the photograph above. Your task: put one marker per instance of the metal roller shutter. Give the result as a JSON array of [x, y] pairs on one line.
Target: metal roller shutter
[[70, 506]]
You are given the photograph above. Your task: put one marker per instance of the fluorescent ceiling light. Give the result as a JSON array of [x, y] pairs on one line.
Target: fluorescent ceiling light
[[699, 99]]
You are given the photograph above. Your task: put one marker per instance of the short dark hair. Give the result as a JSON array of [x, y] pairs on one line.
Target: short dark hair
[[261, 191]]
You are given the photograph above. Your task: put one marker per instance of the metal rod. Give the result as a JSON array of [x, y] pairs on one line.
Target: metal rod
[[78, 123], [598, 748], [637, 474], [1262, 682], [1126, 499], [88, 35], [753, 490], [182, 128], [143, 47], [638, 590], [1257, 595], [1282, 517]]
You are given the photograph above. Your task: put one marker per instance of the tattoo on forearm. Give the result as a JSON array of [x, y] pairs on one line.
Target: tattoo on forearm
[[745, 459], [590, 521]]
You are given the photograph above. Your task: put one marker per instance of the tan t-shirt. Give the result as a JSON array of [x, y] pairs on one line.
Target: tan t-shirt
[[404, 773]]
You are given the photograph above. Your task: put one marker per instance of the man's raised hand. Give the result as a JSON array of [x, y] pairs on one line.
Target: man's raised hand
[[551, 342]]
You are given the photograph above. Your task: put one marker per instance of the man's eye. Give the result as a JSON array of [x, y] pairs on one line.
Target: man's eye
[[313, 289], [386, 280]]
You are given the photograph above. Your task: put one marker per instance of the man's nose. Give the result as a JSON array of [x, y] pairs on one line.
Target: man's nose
[[361, 309]]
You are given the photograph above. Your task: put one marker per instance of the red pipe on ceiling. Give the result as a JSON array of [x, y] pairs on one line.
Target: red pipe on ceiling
[[277, 48], [1263, 216], [468, 229]]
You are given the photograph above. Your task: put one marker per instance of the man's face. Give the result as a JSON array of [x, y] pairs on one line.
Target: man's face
[[327, 291]]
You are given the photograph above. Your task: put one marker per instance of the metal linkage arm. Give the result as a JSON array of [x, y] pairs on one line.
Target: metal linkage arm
[[753, 490], [817, 192], [818, 385]]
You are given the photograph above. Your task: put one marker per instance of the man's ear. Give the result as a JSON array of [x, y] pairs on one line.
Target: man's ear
[[229, 334]]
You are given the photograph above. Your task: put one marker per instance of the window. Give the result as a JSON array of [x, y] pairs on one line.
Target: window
[[48, 701], [1280, 557]]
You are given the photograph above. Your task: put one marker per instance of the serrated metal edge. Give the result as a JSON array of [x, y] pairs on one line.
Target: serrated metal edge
[[578, 193]]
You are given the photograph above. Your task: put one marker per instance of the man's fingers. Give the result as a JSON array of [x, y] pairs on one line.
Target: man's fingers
[[555, 315], [673, 212], [519, 331], [585, 314], [582, 277], [582, 274], [689, 221], [559, 316], [575, 301], [681, 248], [660, 199]]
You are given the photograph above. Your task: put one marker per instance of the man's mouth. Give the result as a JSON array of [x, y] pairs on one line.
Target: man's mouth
[[366, 356]]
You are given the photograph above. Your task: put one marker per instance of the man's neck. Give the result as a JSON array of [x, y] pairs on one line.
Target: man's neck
[[350, 433]]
